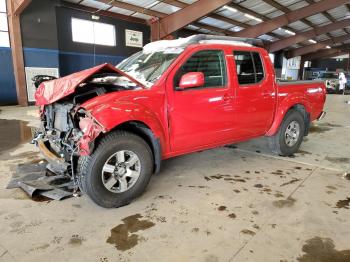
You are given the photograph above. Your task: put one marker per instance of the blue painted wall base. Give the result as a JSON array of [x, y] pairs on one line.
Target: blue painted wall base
[[8, 94]]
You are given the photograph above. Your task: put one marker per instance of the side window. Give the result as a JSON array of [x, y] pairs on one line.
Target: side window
[[249, 67], [244, 67], [210, 62]]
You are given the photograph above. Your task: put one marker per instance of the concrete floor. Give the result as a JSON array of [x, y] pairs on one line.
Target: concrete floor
[[225, 204]]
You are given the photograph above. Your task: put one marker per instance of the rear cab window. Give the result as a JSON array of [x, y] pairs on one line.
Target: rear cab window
[[249, 67], [211, 63]]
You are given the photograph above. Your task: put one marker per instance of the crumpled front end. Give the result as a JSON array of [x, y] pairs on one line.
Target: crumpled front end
[[90, 129], [67, 132]]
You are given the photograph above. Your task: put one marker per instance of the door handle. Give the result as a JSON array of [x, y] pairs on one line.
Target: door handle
[[227, 97]]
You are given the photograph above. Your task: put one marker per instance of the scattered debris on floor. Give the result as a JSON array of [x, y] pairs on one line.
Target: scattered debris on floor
[[76, 240], [248, 232], [222, 208], [232, 215], [39, 183], [294, 180], [284, 202], [344, 203]]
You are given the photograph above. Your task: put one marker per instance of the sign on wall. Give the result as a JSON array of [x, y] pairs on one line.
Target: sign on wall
[[33, 71], [133, 38], [294, 63]]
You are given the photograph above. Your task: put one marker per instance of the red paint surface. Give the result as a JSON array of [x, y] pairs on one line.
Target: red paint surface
[[200, 118], [52, 91]]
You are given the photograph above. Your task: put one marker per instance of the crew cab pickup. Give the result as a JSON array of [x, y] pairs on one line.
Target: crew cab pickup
[[110, 127]]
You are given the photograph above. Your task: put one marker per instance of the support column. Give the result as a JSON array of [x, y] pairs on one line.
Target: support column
[[14, 9], [302, 67]]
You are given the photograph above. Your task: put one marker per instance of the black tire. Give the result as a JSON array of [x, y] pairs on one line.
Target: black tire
[[91, 169], [82, 161], [278, 142]]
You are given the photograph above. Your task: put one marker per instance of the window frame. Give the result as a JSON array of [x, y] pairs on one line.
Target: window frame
[[252, 57], [93, 33], [6, 31], [176, 88]]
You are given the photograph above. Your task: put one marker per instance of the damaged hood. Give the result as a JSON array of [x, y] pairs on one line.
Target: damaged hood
[[52, 91]]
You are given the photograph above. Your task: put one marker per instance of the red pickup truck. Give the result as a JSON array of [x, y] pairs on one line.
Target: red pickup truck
[[110, 127]]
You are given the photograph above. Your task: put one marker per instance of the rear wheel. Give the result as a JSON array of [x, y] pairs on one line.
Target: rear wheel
[[118, 170], [287, 140]]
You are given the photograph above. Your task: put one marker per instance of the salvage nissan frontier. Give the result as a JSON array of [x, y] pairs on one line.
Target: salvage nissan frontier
[[110, 127]]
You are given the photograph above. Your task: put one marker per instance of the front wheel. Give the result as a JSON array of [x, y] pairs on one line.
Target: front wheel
[[287, 140], [118, 170]]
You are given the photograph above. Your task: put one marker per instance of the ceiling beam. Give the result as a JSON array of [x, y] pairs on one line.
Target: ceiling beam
[[315, 47], [292, 16], [286, 10], [183, 17], [134, 8], [175, 3], [103, 12], [324, 54], [328, 16], [338, 53], [20, 5], [179, 4], [300, 37], [262, 17]]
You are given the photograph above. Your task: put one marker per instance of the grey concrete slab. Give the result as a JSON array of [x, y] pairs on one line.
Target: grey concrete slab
[[223, 204]]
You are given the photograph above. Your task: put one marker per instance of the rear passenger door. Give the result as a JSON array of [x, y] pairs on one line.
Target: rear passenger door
[[255, 94]]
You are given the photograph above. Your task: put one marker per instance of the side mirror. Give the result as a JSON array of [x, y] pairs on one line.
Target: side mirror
[[192, 79]]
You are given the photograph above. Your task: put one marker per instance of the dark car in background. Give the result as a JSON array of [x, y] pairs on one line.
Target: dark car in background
[[331, 81]]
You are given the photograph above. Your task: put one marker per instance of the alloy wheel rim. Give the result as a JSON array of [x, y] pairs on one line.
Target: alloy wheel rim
[[121, 171], [292, 133]]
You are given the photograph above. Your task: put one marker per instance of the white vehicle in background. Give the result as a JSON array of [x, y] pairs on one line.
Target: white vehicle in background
[[331, 81]]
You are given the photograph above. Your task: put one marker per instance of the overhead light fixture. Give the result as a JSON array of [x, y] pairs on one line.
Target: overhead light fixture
[[236, 29], [312, 41], [289, 32], [253, 17], [328, 47], [230, 8]]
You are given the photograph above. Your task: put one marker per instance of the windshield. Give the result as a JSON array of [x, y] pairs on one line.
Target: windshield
[[328, 75], [148, 67]]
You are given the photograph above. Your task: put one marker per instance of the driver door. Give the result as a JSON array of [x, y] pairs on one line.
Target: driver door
[[201, 116]]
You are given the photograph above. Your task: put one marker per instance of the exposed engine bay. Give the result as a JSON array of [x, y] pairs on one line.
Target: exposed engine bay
[[67, 130]]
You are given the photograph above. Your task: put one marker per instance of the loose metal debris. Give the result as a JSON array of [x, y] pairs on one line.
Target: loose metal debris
[[37, 180]]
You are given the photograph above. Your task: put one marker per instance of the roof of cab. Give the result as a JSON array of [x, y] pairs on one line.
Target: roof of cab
[[201, 39]]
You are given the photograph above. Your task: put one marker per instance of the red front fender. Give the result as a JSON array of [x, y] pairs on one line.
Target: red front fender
[[116, 113]]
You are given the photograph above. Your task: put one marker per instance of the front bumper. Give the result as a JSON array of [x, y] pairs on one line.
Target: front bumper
[[56, 164]]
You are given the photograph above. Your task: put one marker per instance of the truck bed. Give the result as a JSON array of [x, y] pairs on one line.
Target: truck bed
[[310, 93], [298, 82]]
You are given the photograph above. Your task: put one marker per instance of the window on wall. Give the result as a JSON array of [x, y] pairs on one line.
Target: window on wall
[[249, 67], [4, 34], [90, 32]]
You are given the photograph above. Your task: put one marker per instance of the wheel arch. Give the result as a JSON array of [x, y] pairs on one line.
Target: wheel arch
[[142, 130], [300, 107]]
